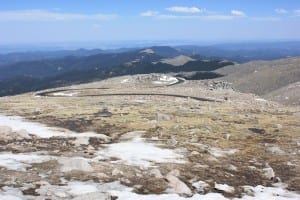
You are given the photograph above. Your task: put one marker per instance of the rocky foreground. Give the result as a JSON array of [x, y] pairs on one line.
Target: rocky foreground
[[148, 137]]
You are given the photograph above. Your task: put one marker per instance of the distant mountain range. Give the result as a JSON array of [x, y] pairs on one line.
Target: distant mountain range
[[31, 71], [33, 75], [237, 52]]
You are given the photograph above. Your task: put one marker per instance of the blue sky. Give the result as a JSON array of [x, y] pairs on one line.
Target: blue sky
[[38, 21]]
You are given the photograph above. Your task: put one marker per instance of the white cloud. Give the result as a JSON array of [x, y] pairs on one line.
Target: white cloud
[[297, 12], [184, 9], [266, 19], [238, 13], [149, 13], [179, 17], [213, 16], [281, 11], [219, 17], [199, 17], [44, 15]]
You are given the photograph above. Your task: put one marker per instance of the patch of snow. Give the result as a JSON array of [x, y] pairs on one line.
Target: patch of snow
[[18, 123], [224, 187], [261, 100], [63, 94], [137, 152], [125, 80], [147, 51], [271, 193], [9, 197], [8, 193], [232, 168], [21, 161], [125, 195], [217, 152], [78, 188]]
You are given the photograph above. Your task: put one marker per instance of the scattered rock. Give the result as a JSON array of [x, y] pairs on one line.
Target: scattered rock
[[217, 152], [297, 114], [275, 150], [81, 141], [224, 188], [172, 141], [102, 175], [227, 136], [23, 134], [257, 130], [213, 85], [7, 134], [104, 113], [162, 117], [269, 173], [201, 186], [102, 137], [294, 184], [195, 153], [61, 194], [152, 186], [177, 186], [195, 139], [80, 164], [278, 126], [232, 168], [5, 130], [116, 172], [156, 173], [248, 190], [174, 172]]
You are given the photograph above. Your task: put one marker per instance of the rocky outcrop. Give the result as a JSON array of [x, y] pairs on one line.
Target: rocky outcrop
[[78, 164], [177, 186], [7, 134]]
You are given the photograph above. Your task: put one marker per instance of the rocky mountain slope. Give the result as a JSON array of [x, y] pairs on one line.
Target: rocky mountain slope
[[275, 80], [150, 136]]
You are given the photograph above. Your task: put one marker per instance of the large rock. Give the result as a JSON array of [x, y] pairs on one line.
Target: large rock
[[7, 134], [156, 173], [116, 172], [78, 164], [275, 150], [23, 134], [5, 130], [201, 186], [268, 173], [224, 188], [177, 186], [162, 117]]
